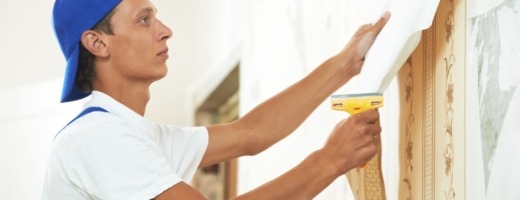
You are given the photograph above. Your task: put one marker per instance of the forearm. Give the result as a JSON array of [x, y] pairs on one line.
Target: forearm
[[279, 116], [304, 181]]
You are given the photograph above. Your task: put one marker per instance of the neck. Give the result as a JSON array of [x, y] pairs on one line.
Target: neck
[[131, 94]]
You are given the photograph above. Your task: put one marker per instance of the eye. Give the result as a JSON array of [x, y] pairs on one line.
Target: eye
[[143, 20]]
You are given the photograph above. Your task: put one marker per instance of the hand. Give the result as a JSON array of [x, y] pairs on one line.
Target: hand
[[353, 141], [352, 56]]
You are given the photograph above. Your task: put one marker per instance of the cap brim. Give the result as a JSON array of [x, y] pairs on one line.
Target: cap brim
[[70, 92]]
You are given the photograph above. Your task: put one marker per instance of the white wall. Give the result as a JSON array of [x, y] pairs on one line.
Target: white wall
[[31, 65], [30, 118], [29, 52]]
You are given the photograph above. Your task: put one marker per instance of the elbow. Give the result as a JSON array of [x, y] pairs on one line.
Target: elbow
[[253, 151], [252, 147], [256, 143], [250, 142], [247, 142]]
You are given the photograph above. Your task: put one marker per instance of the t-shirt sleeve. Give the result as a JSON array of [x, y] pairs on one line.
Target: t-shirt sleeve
[[184, 148], [114, 161]]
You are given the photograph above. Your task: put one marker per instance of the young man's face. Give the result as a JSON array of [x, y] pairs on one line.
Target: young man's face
[[138, 47]]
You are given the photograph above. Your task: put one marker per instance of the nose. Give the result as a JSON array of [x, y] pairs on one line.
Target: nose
[[164, 32]]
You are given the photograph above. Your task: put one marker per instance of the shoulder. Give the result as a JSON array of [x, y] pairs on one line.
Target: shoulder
[[101, 138], [181, 134], [95, 121], [95, 126]]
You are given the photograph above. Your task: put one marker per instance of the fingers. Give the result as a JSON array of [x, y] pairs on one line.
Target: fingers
[[372, 130], [355, 140], [369, 117], [368, 120], [375, 132], [377, 140], [377, 27], [381, 23]]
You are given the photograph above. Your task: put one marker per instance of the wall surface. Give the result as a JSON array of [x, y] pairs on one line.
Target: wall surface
[[30, 118], [29, 52], [31, 67]]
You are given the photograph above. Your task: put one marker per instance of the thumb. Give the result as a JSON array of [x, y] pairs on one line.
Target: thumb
[[376, 28]]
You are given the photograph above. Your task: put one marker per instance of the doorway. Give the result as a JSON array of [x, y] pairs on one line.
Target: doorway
[[219, 181]]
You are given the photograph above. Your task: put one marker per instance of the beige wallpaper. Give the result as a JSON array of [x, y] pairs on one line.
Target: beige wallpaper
[[449, 98], [433, 126]]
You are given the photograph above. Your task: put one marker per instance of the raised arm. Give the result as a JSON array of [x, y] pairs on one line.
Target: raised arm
[[279, 116]]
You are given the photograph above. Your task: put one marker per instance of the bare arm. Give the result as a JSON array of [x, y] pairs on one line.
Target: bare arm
[[279, 116], [350, 144]]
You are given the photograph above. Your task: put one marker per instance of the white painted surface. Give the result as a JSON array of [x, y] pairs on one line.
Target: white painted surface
[[30, 118], [475, 187], [504, 173], [503, 179], [509, 26], [29, 52], [478, 7]]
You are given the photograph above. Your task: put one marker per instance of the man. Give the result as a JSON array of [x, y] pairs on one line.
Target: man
[[116, 49]]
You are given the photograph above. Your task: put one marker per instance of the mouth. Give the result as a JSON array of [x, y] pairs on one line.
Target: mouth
[[163, 53]]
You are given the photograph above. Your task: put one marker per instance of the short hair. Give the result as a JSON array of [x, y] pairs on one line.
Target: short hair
[[86, 70]]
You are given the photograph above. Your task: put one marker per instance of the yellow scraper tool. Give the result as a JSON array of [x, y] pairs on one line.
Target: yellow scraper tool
[[356, 103]]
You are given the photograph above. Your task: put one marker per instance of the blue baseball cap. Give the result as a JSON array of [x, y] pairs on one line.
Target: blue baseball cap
[[70, 18]]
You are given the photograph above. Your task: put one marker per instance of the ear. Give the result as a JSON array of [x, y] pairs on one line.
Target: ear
[[93, 42]]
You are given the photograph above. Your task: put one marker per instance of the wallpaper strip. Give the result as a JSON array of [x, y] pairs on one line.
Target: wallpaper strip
[[367, 182], [428, 110], [449, 100]]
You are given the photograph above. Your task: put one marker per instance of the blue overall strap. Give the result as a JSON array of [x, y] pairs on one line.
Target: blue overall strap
[[83, 113]]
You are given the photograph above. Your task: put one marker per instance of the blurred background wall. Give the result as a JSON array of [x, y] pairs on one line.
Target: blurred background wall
[[274, 43]]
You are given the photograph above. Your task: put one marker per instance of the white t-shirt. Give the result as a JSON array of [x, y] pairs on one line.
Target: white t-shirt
[[120, 155]]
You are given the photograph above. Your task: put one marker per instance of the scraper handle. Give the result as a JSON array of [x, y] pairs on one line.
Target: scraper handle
[[353, 112], [356, 104]]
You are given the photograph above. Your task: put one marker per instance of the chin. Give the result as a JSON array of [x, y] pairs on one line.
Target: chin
[[161, 72]]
